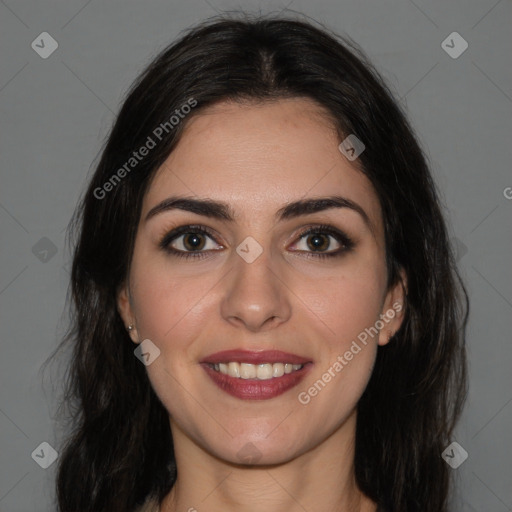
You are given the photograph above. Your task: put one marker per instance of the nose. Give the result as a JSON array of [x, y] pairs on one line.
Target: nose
[[255, 295]]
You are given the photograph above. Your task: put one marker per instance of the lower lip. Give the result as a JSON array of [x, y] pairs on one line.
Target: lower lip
[[253, 389]]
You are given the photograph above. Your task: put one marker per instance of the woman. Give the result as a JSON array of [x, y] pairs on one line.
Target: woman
[[267, 311]]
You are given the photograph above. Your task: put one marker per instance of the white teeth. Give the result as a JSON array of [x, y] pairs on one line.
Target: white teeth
[[234, 370], [278, 369], [263, 371], [247, 371]]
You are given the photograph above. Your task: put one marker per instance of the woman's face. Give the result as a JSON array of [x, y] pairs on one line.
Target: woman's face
[[259, 284]]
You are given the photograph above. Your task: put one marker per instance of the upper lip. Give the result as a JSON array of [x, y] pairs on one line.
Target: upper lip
[[254, 357]]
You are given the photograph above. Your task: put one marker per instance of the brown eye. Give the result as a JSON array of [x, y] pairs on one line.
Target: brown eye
[[193, 241], [189, 242], [319, 239], [318, 242]]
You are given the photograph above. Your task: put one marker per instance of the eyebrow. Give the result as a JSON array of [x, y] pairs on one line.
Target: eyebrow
[[223, 211]]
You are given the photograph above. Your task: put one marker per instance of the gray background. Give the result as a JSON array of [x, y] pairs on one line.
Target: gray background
[[56, 112]]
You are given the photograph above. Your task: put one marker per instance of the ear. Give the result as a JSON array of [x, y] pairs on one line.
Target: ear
[[393, 311], [125, 308]]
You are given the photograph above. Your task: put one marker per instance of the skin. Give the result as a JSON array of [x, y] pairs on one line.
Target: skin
[[257, 158]]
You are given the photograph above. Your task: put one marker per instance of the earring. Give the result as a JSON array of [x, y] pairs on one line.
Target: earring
[[130, 327]]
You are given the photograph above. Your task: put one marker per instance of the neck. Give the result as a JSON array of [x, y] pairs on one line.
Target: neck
[[321, 479]]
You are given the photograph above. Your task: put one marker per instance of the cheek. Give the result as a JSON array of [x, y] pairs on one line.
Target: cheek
[[169, 307], [346, 310], [172, 311], [344, 305]]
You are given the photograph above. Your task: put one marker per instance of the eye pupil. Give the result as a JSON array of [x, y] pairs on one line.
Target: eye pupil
[[317, 242], [196, 244]]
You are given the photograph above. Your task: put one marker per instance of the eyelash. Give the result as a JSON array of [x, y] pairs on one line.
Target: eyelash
[[323, 229]]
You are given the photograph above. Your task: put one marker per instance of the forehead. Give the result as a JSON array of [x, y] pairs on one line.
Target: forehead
[[257, 157]]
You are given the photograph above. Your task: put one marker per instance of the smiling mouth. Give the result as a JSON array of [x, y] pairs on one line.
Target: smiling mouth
[[263, 371], [256, 374], [256, 381]]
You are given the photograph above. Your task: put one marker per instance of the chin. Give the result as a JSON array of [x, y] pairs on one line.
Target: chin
[[254, 450]]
